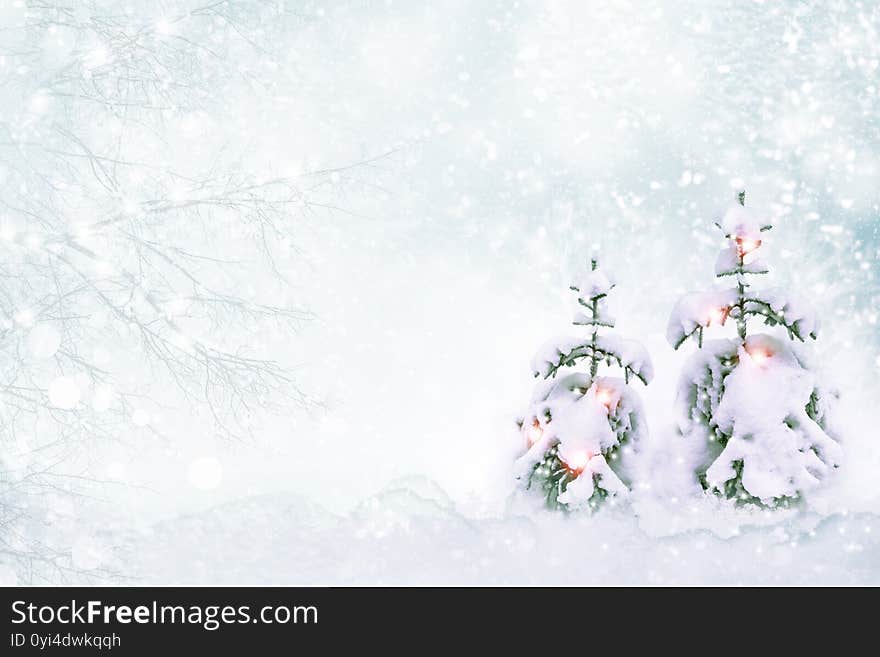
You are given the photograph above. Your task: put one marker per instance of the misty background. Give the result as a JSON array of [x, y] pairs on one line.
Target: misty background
[[445, 170]]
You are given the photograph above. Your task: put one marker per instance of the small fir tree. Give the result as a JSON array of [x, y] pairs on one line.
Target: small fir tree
[[751, 404], [582, 430]]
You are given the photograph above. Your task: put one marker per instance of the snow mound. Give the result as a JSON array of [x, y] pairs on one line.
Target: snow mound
[[405, 540], [743, 222]]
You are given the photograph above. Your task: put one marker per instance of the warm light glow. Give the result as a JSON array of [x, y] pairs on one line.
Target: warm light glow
[[746, 245], [759, 356], [578, 461], [604, 397], [718, 316], [534, 433]]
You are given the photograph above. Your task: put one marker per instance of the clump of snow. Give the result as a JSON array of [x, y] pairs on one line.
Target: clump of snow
[[582, 427], [549, 401], [596, 474], [587, 420], [593, 284], [728, 262], [698, 309], [743, 222], [630, 353], [796, 310], [699, 392], [551, 353], [782, 450], [746, 405]]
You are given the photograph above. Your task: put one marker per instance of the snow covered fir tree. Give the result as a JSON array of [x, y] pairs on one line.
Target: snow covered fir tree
[[750, 407], [582, 429]]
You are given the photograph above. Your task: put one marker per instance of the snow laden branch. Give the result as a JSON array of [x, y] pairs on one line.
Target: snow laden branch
[[696, 312], [629, 355], [143, 258]]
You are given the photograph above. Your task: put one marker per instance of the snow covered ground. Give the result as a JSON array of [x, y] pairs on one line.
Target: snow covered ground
[[496, 145], [412, 534]]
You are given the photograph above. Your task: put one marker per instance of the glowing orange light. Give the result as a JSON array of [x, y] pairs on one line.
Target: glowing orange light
[[604, 397], [578, 461], [759, 356], [718, 316], [534, 433], [746, 245]]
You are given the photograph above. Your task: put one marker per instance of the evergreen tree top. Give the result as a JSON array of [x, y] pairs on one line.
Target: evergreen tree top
[[592, 291], [594, 285], [740, 260]]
